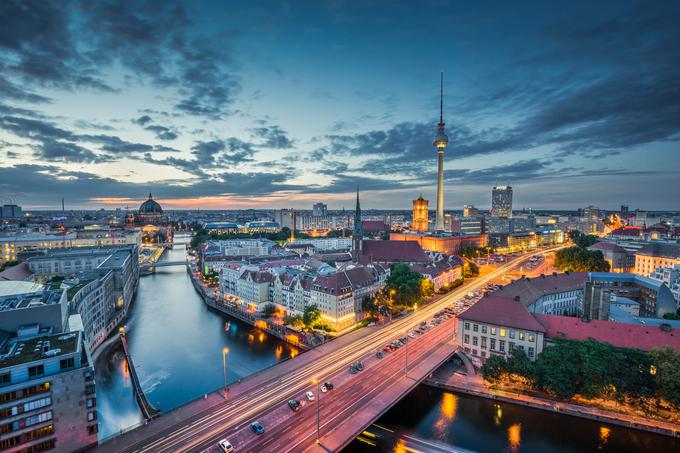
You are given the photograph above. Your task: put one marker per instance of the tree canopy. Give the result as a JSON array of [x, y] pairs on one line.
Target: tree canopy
[[311, 315], [578, 259], [406, 286], [582, 240]]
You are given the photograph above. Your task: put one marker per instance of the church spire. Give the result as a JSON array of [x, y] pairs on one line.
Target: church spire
[[357, 235]]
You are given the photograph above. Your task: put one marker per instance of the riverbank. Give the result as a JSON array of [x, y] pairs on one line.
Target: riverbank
[[283, 333], [447, 378]]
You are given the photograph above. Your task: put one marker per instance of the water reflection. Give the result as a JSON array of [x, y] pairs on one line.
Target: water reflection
[[514, 436], [171, 334], [604, 437]]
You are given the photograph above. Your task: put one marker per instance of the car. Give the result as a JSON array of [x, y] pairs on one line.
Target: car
[[257, 428], [379, 354], [328, 385], [294, 405], [387, 348], [422, 323], [323, 389], [353, 369], [225, 446], [310, 396], [360, 366]]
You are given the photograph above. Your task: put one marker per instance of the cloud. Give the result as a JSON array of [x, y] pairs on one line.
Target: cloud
[[142, 120], [273, 136]]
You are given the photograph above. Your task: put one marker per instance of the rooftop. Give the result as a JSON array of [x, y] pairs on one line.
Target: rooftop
[[615, 333], [502, 311], [531, 289], [36, 348], [393, 251], [16, 288], [661, 250]]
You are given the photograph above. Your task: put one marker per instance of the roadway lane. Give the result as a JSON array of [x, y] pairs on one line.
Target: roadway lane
[[281, 383]]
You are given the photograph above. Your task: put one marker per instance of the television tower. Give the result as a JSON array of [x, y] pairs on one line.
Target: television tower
[[440, 142]]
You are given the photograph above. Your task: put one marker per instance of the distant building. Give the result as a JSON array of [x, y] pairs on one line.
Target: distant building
[[319, 209], [222, 227], [443, 243], [619, 259], [392, 252], [326, 244], [470, 211], [655, 255], [471, 226], [670, 276], [11, 211], [149, 213], [557, 294], [284, 217], [420, 214], [501, 201], [262, 227]]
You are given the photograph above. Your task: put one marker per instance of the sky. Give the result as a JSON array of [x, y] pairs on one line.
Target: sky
[[230, 105]]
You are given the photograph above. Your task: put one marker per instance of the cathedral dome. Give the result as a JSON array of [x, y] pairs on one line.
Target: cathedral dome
[[150, 207]]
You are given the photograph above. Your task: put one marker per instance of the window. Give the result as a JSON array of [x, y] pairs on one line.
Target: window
[[91, 402], [67, 363], [512, 334], [531, 351], [511, 346], [466, 339], [501, 346], [93, 429], [37, 404], [502, 332], [37, 370], [531, 337], [91, 416], [48, 444], [521, 336], [40, 432], [475, 340], [493, 343], [483, 342], [5, 378], [483, 353], [484, 329], [493, 331], [467, 326], [475, 327]]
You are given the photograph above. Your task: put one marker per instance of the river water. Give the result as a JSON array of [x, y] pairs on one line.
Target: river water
[[176, 344], [481, 425]]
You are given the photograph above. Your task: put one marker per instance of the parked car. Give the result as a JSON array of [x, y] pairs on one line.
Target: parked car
[[310, 396], [328, 385], [257, 428], [379, 354], [360, 366], [225, 446], [323, 389], [294, 405]]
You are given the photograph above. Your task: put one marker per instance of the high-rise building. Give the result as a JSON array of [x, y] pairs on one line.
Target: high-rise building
[[624, 211], [11, 211], [501, 201], [420, 212], [319, 209], [592, 214], [470, 211], [284, 217], [440, 142]]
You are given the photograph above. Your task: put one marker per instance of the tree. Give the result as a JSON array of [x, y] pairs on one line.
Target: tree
[[293, 320], [427, 287], [404, 285], [557, 370], [368, 305], [582, 240], [470, 269], [494, 369], [269, 310], [666, 370], [578, 259], [311, 315]]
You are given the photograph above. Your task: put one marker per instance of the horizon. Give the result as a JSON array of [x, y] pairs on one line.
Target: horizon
[[213, 107]]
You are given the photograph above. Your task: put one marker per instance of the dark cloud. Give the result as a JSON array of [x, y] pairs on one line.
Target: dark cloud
[[162, 132], [273, 136], [142, 120]]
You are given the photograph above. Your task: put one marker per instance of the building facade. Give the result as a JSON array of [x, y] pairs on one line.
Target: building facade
[[420, 214], [501, 201]]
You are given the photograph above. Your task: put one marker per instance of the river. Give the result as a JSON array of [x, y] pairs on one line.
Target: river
[[176, 344], [482, 425]]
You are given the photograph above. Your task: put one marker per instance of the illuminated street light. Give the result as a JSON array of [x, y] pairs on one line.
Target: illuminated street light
[[224, 364]]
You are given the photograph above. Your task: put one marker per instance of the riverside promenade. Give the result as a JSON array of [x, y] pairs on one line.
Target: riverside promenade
[[449, 378]]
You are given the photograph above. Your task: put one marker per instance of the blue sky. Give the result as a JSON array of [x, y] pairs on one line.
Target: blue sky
[[282, 104]]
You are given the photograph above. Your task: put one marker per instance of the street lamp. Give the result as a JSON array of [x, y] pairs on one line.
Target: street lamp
[[224, 364], [318, 403]]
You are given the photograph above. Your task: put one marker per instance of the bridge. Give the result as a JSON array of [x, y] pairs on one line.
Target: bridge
[[147, 265], [334, 418], [148, 410]]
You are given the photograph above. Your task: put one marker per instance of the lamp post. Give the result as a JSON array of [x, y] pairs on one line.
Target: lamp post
[[318, 404], [224, 365]]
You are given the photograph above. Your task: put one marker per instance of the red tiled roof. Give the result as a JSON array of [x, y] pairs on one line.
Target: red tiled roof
[[615, 333], [502, 311], [626, 231], [530, 289], [393, 252], [374, 225]]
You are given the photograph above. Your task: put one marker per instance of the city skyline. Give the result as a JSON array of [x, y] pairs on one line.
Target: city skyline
[[211, 107]]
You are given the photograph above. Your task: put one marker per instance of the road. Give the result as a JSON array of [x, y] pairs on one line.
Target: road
[[269, 398]]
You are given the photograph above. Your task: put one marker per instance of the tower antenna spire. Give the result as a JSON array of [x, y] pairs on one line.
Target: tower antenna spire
[[441, 99]]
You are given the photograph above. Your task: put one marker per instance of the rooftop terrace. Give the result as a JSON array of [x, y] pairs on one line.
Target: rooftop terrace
[[36, 348]]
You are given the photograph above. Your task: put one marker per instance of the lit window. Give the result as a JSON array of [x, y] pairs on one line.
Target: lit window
[[502, 332]]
